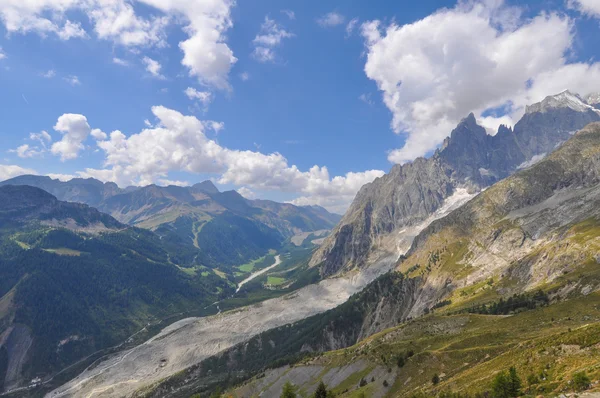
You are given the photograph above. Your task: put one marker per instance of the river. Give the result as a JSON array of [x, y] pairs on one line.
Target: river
[[259, 273]]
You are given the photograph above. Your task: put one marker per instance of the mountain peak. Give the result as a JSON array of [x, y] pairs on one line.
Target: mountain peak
[[566, 99], [205, 187], [593, 99]]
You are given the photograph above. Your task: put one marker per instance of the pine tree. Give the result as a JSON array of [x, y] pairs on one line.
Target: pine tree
[[500, 386], [289, 390], [321, 391], [514, 383]]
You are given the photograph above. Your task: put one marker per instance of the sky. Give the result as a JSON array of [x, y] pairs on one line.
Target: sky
[[299, 101]]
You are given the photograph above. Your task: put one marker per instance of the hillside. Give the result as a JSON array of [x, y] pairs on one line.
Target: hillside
[[538, 230], [227, 229], [387, 213], [74, 281]]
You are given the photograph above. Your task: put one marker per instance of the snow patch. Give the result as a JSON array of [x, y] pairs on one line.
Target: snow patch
[[485, 172], [566, 99], [535, 159]]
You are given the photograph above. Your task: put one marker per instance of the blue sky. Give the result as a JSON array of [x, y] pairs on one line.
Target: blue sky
[[289, 84]]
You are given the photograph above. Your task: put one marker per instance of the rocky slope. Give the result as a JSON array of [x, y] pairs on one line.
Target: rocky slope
[[536, 230], [469, 159]]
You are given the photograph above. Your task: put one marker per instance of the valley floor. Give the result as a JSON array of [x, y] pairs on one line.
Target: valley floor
[[191, 340]]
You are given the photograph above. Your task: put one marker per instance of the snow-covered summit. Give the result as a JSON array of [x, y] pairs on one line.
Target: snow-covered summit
[[593, 99], [566, 99]]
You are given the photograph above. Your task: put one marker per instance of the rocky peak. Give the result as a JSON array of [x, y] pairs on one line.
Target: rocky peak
[[205, 187], [566, 99], [387, 212], [593, 100]]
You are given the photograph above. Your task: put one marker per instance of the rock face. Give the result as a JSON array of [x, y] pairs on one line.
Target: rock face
[[469, 159]]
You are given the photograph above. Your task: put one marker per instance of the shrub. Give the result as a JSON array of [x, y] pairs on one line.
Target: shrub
[[581, 381]]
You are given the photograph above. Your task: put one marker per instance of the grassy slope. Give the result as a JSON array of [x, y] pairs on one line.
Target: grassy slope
[[553, 342]]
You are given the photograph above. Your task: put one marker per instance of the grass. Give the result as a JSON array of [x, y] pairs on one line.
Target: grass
[[275, 281], [556, 341]]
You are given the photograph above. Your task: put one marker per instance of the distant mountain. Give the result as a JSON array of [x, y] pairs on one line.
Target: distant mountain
[[227, 228], [387, 213], [21, 204], [89, 191], [74, 281]]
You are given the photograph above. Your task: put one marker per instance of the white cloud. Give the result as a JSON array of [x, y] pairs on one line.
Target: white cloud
[[204, 97], [290, 14], [147, 123], [61, 177], [98, 134], [26, 151], [474, 57], [9, 171], [177, 183], [351, 26], [72, 80], [245, 76], [179, 143], [2, 55], [75, 130], [366, 98], [247, 193], [120, 61], [270, 36], [49, 74], [205, 53], [589, 7], [331, 19], [153, 67], [214, 126], [43, 137]]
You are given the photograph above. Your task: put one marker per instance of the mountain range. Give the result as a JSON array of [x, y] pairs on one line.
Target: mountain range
[[442, 273], [387, 213], [226, 228], [526, 246]]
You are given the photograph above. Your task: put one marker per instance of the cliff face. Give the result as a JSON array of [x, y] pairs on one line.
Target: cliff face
[[470, 159]]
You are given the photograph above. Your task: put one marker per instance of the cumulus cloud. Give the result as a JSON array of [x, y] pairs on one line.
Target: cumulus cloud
[[247, 193], [203, 97], [474, 57], [9, 171], [270, 36], [205, 53], [26, 151], [589, 7], [153, 67], [179, 143], [29, 151], [75, 130], [331, 19], [2, 55], [61, 177]]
